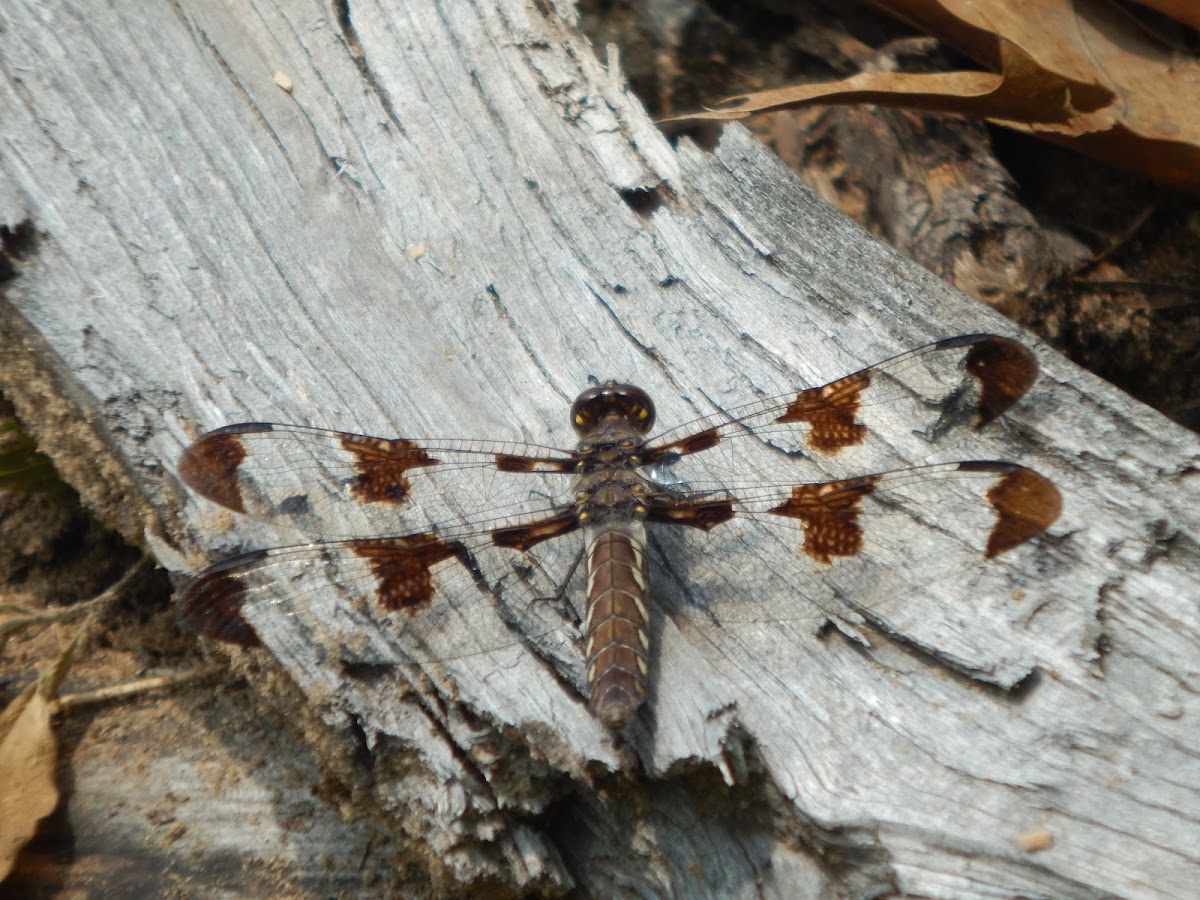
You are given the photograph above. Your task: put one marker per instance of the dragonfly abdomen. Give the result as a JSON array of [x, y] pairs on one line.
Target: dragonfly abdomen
[[617, 640]]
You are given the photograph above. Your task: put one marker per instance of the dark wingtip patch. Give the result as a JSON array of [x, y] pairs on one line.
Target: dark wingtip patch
[[209, 467], [211, 606], [1005, 370], [1026, 504]]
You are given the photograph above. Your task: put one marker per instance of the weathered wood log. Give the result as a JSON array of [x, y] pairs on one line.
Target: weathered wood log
[[443, 218]]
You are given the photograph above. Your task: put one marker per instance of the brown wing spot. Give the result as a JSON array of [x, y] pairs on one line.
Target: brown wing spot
[[1026, 504], [1005, 369], [381, 466], [402, 567], [829, 513], [522, 537], [212, 604], [209, 467], [831, 413], [701, 440], [506, 462], [703, 514]]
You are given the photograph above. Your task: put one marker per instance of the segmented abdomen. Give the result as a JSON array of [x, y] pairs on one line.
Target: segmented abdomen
[[617, 640]]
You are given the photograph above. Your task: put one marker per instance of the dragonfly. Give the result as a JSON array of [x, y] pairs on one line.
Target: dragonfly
[[414, 529]]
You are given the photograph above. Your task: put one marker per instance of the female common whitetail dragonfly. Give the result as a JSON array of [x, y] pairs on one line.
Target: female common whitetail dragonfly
[[413, 527]]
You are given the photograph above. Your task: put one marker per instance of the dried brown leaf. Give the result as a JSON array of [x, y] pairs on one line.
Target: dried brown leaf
[[29, 758], [27, 764], [1072, 71]]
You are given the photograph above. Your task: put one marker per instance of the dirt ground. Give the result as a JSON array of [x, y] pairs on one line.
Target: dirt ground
[[1107, 270]]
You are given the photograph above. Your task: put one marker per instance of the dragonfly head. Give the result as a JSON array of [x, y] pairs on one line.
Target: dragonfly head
[[611, 401]]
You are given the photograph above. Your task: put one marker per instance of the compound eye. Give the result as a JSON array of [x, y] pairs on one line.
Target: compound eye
[[621, 402], [642, 414]]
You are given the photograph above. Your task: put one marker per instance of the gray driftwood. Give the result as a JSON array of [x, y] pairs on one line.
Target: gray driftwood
[[455, 217]]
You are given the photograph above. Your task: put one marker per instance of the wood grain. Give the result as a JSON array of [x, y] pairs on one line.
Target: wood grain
[[430, 235]]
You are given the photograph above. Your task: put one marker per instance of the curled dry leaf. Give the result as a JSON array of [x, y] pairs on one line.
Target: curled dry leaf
[[28, 759], [27, 763], [1072, 71]]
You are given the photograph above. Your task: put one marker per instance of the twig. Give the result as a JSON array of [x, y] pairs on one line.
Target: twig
[[75, 610], [136, 687]]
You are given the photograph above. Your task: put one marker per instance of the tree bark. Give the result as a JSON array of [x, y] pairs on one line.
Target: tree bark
[[454, 218]]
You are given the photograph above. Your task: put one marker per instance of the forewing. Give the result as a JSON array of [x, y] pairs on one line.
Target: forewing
[[336, 484], [901, 409]]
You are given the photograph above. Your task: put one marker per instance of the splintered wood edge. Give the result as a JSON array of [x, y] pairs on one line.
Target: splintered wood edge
[[49, 404]]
